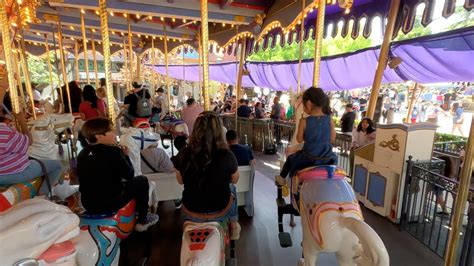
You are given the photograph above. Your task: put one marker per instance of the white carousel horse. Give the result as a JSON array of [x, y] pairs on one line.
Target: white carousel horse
[[38, 229], [44, 140], [332, 220], [203, 244]]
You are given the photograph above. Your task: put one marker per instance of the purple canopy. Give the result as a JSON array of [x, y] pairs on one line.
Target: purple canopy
[[446, 57]]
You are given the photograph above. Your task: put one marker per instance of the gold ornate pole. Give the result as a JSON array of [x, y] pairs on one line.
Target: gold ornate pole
[[76, 61], [461, 199], [16, 62], [200, 64], [104, 27], [61, 97], [383, 57], [126, 64], [63, 64], [84, 47], [26, 75], [94, 56], [6, 41], [205, 54], [167, 78], [239, 77], [153, 83], [139, 66], [130, 52], [319, 41], [50, 68], [303, 5]]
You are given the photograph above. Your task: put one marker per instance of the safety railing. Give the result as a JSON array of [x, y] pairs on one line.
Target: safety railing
[[262, 134], [428, 205]]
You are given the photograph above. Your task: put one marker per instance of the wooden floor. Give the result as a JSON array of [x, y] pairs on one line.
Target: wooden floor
[[259, 243]]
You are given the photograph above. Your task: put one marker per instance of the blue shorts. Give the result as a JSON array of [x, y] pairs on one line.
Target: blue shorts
[[232, 215]]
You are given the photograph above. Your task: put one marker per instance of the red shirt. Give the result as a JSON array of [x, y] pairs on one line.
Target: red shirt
[[89, 112], [13, 151]]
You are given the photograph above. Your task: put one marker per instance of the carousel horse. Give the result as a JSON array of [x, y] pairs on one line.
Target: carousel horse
[[99, 240], [170, 127], [204, 243], [14, 194], [331, 217], [40, 231], [44, 139]]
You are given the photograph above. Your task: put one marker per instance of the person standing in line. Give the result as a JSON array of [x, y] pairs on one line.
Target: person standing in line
[[347, 120]]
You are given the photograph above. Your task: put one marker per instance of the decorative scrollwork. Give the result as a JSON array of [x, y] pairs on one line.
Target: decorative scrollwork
[[435, 179], [393, 144]]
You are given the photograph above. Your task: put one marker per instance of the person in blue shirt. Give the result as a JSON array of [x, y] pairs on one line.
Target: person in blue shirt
[[244, 110], [243, 153], [317, 131], [458, 118]]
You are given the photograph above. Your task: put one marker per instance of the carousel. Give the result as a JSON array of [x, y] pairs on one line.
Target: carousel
[[144, 37]]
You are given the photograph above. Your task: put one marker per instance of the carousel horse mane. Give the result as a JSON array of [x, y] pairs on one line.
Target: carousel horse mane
[[137, 139], [32, 226]]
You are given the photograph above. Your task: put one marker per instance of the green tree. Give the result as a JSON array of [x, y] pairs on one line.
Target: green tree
[[466, 19], [38, 68]]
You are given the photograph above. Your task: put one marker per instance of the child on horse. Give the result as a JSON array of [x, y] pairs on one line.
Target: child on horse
[[106, 175], [317, 131]]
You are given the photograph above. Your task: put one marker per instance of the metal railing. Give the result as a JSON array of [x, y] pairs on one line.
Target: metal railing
[[449, 147], [261, 134], [426, 191]]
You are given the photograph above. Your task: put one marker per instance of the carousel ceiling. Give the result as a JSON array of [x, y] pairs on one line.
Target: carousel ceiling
[[263, 23]]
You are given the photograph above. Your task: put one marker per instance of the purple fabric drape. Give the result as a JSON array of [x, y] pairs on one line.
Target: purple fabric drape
[[446, 57]]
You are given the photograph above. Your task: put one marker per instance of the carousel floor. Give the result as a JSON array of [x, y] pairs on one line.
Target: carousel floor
[[259, 243]]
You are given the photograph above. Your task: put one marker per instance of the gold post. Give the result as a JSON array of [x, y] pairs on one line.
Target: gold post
[[383, 57], [94, 56], [139, 66], [200, 64], [16, 62], [319, 41], [63, 64], [461, 199], [26, 75], [126, 63], [239, 76], [303, 5], [76, 61], [61, 97], [104, 27], [167, 79], [130, 52], [205, 54], [50, 68], [411, 104], [6, 41], [153, 83], [84, 45]]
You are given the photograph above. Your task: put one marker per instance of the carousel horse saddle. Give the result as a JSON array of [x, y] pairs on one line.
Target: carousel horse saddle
[[14, 194], [121, 222]]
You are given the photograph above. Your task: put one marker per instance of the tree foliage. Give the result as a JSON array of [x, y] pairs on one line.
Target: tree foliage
[[38, 68]]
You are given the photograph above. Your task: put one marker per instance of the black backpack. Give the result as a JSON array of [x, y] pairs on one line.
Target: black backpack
[[143, 105]]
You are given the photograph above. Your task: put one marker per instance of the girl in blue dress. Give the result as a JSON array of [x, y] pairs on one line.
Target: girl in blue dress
[[317, 131]]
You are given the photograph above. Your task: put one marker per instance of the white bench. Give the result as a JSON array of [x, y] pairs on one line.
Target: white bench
[[167, 188]]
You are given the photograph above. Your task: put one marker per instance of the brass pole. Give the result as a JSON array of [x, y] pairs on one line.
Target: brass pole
[[383, 57], [76, 61], [127, 81], [84, 45], [57, 63], [200, 65], [16, 62], [104, 27], [319, 41], [139, 66], [130, 52], [26, 76], [239, 77], [167, 78], [24, 63], [50, 67], [94, 56], [205, 54], [461, 199], [153, 83], [7, 49], [63, 64], [303, 5]]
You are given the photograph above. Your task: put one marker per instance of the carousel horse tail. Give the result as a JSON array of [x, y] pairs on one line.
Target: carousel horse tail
[[374, 251]]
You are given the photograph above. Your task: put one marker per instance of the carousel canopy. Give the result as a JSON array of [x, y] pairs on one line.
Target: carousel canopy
[[430, 59], [263, 23]]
